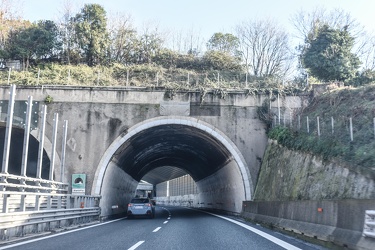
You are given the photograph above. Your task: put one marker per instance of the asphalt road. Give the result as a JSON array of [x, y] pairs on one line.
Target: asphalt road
[[172, 228]]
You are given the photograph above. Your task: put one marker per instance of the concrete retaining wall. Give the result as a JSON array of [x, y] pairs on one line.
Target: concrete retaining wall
[[337, 221]]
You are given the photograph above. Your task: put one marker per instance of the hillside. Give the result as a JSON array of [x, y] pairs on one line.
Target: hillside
[[340, 105]]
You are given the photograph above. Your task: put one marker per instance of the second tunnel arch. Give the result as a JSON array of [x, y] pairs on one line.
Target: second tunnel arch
[[198, 128]]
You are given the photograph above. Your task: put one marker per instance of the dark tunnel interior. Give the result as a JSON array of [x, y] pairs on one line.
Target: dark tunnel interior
[[161, 149], [15, 154]]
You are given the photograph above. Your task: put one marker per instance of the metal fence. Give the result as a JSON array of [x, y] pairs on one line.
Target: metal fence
[[326, 126], [142, 76]]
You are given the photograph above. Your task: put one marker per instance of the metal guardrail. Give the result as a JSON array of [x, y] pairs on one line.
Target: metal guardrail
[[369, 225], [9, 182], [26, 201], [25, 212]]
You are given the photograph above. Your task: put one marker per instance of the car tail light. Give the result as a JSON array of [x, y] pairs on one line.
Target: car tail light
[[149, 205], [130, 205]]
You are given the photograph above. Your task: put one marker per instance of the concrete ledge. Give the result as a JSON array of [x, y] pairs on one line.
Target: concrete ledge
[[342, 223]]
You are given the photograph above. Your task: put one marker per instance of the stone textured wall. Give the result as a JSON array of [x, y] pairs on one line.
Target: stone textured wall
[[291, 175]]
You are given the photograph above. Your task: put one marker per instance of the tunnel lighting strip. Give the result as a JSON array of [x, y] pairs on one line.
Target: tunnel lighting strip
[[259, 232]]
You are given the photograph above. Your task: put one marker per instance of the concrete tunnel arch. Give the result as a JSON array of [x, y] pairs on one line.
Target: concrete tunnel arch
[[188, 122]]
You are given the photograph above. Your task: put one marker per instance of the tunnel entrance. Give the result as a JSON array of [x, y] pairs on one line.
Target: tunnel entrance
[[15, 154], [162, 149]]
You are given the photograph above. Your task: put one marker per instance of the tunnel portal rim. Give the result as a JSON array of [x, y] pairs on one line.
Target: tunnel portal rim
[[159, 121]]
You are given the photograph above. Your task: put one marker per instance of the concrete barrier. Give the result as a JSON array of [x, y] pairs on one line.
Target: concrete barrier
[[338, 221]]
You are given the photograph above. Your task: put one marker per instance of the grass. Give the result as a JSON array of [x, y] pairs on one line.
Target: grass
[[343, 105]]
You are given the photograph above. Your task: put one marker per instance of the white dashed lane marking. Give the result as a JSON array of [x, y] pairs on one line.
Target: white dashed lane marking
[[136, 245], [156, 229]]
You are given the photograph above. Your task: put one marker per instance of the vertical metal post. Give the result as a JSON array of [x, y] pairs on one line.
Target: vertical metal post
[[318, 124], [8, 131], [10, 70], [53, 153], [332, 125], [351, 129], [246, 80], [278, 107], [274, 121], [291, 119], [38, 76], [167, 188], [127, 77], [26, 136], [62, 168], [5, 203], [188, 79], [41, 143], [307, 124], [37, 202], [23, 203], [299, 122]]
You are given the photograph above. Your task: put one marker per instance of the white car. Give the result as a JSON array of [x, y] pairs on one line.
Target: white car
[[141, 207]]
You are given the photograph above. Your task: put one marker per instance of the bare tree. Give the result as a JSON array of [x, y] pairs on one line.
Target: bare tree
[[123, 37], [66, 27], [307, 24], [150, 42], [185, 42], [367, 56], [264, 47], [10, 18]]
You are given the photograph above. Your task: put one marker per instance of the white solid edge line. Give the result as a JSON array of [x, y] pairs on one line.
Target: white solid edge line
[[260, 233], [156, 229], [136, 245], [58, 234]]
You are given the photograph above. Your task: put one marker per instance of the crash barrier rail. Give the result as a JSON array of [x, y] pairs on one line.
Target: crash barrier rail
[[13, 202], [20, 224], [26, 212], [369, 225], [33, 205], [10, 182]]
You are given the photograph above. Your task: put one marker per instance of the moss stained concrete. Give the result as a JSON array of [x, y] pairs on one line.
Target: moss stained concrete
[[288, 175]]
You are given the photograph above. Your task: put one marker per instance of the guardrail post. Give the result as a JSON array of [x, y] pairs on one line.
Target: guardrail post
[[59, 199], [68, 202], [5, 203], [49, 202], [37, 202], [23, 204]]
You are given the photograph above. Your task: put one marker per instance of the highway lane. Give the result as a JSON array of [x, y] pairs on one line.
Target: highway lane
[[172, 228]]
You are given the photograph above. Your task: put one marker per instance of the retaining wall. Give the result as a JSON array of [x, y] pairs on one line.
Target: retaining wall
[[337, 221]]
